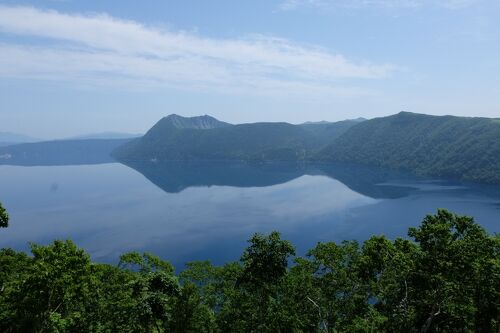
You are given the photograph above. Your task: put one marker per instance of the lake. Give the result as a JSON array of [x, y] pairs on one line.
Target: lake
[[207, 210]]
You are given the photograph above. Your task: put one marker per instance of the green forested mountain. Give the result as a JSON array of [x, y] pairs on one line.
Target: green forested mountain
[[178, 138], [443, 146], [205, 138], [446, 279]]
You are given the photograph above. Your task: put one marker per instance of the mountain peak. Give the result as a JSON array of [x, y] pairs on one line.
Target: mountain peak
[[407, 113], [198, 122]]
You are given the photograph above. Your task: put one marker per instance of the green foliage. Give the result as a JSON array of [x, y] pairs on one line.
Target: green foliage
[[265, 261], [144, 263], [54, 292], [259, 286], [446, 280], [4, 217], [455, 147], [455, 253]]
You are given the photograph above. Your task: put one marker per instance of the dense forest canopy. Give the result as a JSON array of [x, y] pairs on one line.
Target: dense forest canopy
[[446, 279]]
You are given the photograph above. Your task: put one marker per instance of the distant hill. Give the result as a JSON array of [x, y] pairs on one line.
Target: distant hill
[[61, 152], [206, 138], [106, 135], [8, 138], [443, 146]]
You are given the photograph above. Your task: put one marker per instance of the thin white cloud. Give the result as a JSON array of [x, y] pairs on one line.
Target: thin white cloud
[[452, 4], [98, 49]]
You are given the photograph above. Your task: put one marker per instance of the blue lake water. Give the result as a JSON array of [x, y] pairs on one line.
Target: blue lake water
[[207, 211]]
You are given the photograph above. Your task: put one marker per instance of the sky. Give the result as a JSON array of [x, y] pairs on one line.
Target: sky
[[70, 67]]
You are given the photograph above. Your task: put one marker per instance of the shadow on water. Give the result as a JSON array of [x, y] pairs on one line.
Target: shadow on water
[[175, 176], [370, 181]]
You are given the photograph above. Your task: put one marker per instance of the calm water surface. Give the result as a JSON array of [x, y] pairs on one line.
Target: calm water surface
[[198, 211]]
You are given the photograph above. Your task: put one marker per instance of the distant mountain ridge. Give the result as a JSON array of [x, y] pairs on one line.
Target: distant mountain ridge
[[7, 138], [61, 152], [104, 135]]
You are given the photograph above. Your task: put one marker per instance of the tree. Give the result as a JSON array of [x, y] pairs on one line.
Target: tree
[[343, 296], [265, 261], [446, 280], [456, 275], [4, 217], [13, 267], [154, 289], [56, 290], [257, 290], [190, 314]]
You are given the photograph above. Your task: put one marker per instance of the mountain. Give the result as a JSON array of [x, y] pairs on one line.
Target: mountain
[[206, 138], [61, 152], [442, 146], [106, 135], [199, 122], [326, 132], [7, 138]]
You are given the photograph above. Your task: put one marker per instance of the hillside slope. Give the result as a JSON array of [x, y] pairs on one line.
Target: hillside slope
[[443, 146]]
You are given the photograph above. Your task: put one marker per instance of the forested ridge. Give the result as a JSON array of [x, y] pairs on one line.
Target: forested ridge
[[466, 148], [445, 278], [206, 138]]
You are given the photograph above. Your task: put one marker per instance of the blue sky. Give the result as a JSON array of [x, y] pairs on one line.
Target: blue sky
[[69, 67]]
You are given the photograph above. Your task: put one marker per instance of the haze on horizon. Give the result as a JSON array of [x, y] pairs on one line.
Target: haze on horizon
[[74, 67]]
